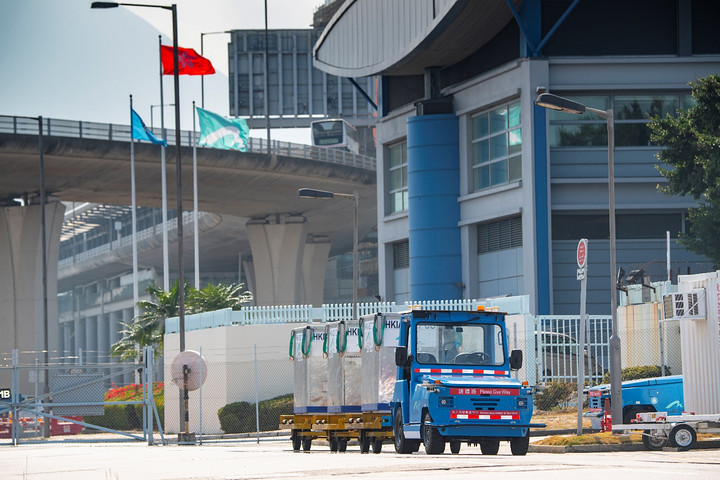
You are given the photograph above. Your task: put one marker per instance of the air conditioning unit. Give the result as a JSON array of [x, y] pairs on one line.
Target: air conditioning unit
[[685, 305]]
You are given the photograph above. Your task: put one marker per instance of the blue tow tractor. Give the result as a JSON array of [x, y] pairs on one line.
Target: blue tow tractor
[[425, 377]]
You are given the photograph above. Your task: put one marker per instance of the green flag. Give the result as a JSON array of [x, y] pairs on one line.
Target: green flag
[[220, 132]]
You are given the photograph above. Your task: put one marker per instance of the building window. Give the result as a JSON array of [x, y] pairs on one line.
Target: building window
[[397, 178], [497, 146], [499, 235], [401, 255], [628, 226], [632, 113]]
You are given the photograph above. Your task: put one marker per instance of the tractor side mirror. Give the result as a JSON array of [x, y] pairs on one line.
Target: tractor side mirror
[[516, 359], [401, 356]]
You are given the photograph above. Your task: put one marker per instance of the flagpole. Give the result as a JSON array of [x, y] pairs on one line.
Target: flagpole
[[166, 263], [134, 218], [195, 207]]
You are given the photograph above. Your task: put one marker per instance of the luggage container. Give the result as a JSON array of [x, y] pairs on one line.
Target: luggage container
[[310, 369], [343, 363]]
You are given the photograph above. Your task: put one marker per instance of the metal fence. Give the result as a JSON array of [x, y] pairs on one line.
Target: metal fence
[[121, 133]]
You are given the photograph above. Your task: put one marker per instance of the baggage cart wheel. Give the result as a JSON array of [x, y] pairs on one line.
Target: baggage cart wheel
[[489, 447], [683, 436], [455, 446], [653, 441], [364, 443], [333, 444], [377, 445], [306, 444], [342, 444], [295, 441]]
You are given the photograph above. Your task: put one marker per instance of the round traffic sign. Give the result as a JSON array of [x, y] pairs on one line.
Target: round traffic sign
[[582, 249]]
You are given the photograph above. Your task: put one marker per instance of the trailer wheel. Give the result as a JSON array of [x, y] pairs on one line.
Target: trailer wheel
[[434, 442], [651, 441], [455, 446], [295, 441], [683, 437], [402, 444], [489, 447], [342, 444], [306, 444], [377, 445], [333, 444], [519, 445], [364, 443]]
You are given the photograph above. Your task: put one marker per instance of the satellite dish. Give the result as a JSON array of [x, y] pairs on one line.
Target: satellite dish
[[197, 372]]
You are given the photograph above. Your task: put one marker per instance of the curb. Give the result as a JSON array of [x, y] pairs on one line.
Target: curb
[[621, 447]]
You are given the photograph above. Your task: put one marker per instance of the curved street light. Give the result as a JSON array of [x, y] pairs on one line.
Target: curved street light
[[554, 102]]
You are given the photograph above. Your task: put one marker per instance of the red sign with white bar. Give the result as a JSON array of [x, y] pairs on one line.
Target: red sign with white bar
[[463, 371], [594, 393], [485, 391], [485, 414]]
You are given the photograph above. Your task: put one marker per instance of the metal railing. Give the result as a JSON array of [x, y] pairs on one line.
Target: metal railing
[[121, 133]]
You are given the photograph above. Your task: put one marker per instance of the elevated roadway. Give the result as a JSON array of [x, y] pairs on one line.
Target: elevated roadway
[[251, 198]]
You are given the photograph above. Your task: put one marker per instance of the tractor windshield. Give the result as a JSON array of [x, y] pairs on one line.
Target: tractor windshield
[[459, 344]]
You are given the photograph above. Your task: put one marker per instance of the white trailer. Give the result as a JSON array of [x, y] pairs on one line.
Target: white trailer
[[660, 429]]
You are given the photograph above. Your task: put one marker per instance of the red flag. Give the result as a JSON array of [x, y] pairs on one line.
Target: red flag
[[189, 62]]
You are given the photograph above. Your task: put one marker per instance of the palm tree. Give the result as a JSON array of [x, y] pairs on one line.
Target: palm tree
[[148, 328], [217, 297]]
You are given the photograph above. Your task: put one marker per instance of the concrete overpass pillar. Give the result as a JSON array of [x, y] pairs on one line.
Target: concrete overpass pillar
[[315, 257], [21, 281], [103, 338], [277, 251]]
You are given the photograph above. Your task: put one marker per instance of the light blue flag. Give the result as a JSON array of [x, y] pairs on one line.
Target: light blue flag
[[141, 132], [221, 132]]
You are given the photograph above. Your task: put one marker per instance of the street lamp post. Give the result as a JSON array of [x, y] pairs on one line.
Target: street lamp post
[[553, 102], [312, 193], [153, 107], [202, 77], [186, 437]]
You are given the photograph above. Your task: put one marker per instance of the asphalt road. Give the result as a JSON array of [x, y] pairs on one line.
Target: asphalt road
[[276, 460]]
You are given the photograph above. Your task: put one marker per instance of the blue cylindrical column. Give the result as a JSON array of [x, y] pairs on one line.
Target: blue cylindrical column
[[433, 208]]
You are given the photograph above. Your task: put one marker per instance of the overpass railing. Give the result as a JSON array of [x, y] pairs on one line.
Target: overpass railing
[[54, 127]]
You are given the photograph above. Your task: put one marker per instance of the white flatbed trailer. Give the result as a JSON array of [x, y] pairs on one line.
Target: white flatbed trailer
[[680, 431]]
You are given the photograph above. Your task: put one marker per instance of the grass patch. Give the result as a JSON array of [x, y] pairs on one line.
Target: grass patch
[[605, 438]]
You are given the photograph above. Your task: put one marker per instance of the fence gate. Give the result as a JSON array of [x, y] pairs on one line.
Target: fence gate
[[65, 402], [558, 353]]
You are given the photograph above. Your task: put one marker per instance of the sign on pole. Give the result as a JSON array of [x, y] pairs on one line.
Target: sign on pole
[[582, 253]]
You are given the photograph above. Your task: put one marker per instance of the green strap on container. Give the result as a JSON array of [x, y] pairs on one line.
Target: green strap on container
[[291, 349], [341, 347], [360, 334], [305, 347], [378, 336]]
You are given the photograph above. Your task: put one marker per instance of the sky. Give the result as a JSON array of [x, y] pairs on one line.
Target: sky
[[62, 60]]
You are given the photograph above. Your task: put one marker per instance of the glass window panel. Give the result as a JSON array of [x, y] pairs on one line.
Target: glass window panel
[[632, 135], [640, 107], [396, 202], [514, 141], [405, 199], [396, 179], [498, 146], [688, 102], [578, 135], [482, 177], [599, 102], [481, 152], [514, 115], [396, 154], [498, 120], [498, 172], [480, 125], [515, 168]]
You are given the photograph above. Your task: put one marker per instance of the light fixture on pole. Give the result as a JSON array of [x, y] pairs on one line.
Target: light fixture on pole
[[553, 102], [153, 107], [202, 77], [185, 437], [312, 193]]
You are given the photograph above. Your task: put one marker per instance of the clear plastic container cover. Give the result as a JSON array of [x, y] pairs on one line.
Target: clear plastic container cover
[[344, 374], [381, 334], [310, 368]]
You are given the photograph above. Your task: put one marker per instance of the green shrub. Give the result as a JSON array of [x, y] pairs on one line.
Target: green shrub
[[239, 417], [555, 395], [635, 373]]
